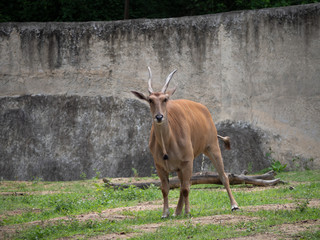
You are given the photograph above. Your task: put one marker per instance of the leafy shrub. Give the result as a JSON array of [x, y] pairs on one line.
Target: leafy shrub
[[64, 206], [276, 165]]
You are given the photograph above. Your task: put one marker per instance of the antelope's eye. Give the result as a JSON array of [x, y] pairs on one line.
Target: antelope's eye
[[165, 100], [150, 100]]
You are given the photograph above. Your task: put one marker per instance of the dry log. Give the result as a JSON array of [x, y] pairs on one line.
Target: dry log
[[266, 179]]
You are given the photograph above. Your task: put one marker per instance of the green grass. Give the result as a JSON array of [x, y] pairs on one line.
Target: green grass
[[300, 176], [311, 234], [80, 197], [62, 204], [188, 231], [73, 227], [217, 231]]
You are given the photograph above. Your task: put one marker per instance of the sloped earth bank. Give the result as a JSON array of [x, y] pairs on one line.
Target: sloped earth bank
[[285, 231]]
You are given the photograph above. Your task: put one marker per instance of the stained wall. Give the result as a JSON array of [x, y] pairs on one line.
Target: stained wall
[[66, 107]]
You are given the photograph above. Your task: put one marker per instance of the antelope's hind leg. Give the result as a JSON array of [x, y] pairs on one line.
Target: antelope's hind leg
[[214, 154]]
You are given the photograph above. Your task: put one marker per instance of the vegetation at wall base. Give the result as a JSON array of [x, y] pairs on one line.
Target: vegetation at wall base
[[106, 10]]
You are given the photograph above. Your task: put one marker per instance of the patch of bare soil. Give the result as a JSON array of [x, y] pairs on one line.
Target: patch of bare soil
[[287, 206], [217, 219], [264, 236], [285, 231], [124, 213], [17, 212], [12, 193], [29, 193], [251, 188], [110, 236], [145, 228], [110, 214], [296, 228], [221, 219], [14, 183], [131, 180]]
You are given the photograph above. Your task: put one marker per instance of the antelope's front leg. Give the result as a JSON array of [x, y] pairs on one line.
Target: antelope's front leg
[[184, 176], [181, 197], [164, 178]]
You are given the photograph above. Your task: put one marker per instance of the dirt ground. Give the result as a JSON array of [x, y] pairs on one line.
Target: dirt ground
[[285, 231]]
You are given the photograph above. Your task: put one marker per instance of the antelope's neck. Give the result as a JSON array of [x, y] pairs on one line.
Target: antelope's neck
[[162, 133]]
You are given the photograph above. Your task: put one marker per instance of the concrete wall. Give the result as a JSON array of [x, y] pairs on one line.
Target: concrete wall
[[256, 71]]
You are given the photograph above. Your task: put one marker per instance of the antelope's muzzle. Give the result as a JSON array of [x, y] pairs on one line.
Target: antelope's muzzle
[[159, 118]]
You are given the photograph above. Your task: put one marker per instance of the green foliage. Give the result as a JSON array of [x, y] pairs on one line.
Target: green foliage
[[135, 172], [250, 167], [36, 180], [310, 234], [302, 205], [302, 164], [276, 165], [61, 10], [265, 220], [98, 175], [105, 10], [62, 205], [132, 193], [70, 199], [301, 176], [68, 228], [188, 230], [83, 175]]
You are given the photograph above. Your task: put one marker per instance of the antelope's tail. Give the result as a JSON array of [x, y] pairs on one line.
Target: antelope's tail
[[226, 141]]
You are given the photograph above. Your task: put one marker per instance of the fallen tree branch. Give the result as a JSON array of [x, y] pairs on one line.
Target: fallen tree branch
[[266, 179]]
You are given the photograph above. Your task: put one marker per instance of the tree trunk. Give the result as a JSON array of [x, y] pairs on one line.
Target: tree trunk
[[266, 179], [126, 9]]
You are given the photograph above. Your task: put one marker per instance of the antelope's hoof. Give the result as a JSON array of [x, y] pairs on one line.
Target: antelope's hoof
[[176, 214], [165, 215], [234, 208]]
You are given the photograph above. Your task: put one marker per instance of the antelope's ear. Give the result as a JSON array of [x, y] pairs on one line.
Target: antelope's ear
[[171, 92], [140, 95]]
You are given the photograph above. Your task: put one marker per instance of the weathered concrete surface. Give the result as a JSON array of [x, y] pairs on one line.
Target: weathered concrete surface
[[258, 68], [68, 137]]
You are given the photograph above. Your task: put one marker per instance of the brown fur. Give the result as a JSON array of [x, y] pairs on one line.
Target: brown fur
[[185, 131]]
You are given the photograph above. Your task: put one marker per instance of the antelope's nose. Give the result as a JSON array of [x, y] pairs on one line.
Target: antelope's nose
[[159, 118]]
